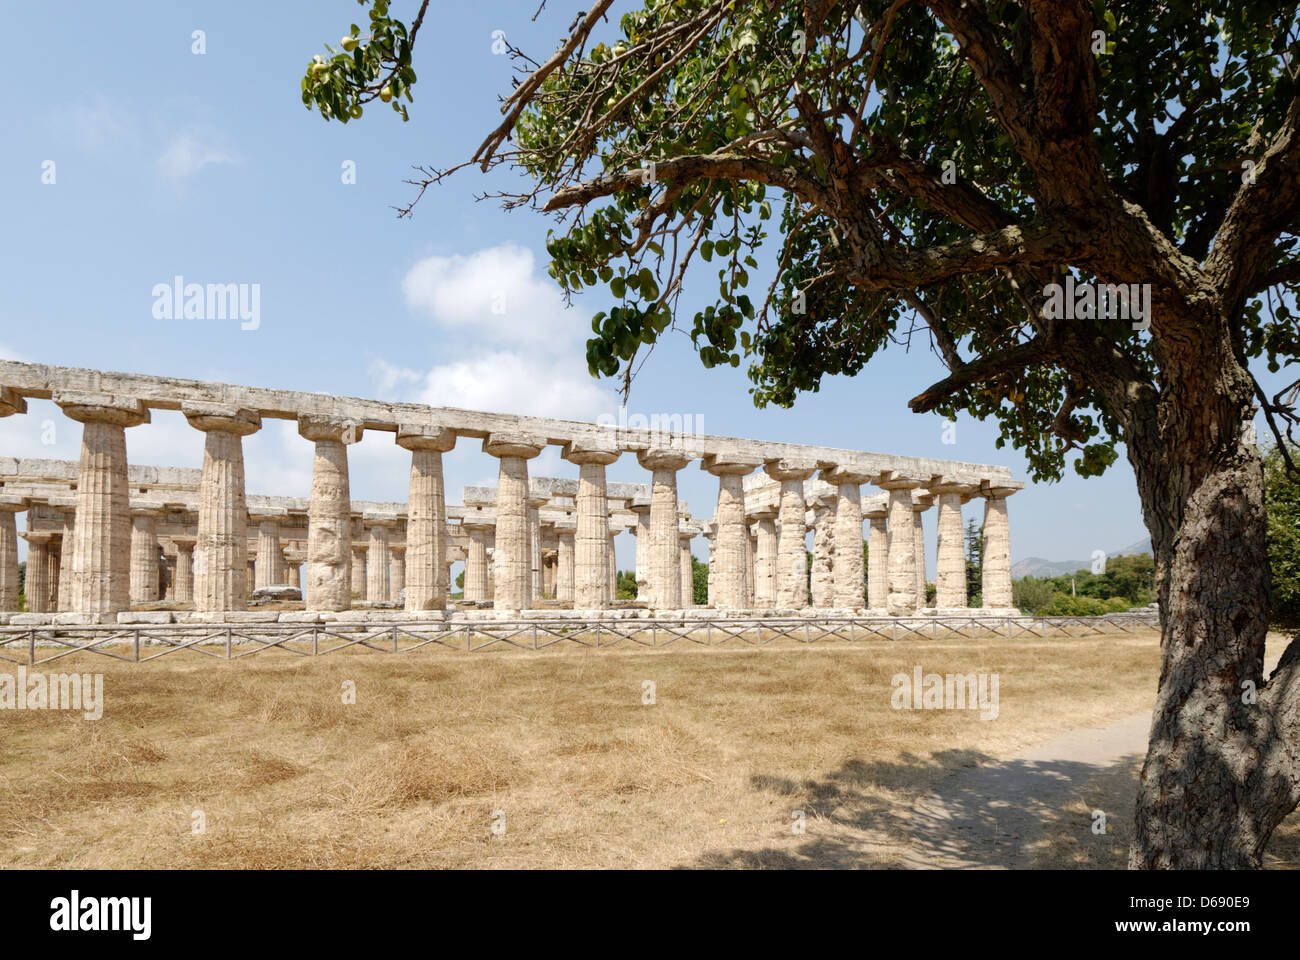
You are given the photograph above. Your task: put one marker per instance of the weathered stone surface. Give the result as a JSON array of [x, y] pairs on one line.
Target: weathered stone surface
[[9, 555], [950, 552], [902, 600], [997, 550], [791, 562], [591, 540], [849, 576], [329, 534], [277, 591], [877, 558]]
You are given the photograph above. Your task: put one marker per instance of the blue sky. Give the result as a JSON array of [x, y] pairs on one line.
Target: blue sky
[[208, 166]]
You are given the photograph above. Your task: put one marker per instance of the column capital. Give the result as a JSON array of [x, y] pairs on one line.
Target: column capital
[[103, 407], [664, 458], [877, 512], [892, 481], [522, 445], [183, 542], [268, 514], [316, 428], [11, 402], [399, 548], [424, 436], [763, 513], [151, 511], [12, 504], [222, 416], [590, 451], [788, 469], [38, 536], [998, 491], [945, 486], [841, 476], [720, 464]]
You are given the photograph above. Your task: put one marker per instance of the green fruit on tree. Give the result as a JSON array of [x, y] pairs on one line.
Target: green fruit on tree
[[355, 111], [386, 93], [348, 43]]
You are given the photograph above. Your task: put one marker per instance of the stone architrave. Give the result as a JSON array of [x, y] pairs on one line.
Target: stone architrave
[[329, 513], [101, 572], [663, 557], [591, 537], [512, 568]]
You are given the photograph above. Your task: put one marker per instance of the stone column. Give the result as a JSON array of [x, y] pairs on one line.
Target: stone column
[[750, 553], [536, 584], [68, 550], [732, 541], [823, 574], [710, 533], [377, 578], [950, 546], [687, 568], [663, 557], [360, 554], [427, 583], [792, 549], [902, 600], [919, 505], [101, 573], [877, 558], [613, 570], [144, 555], [329, 514], [765, 559], [183, 591], [397, 571], [9, 507], [997, 549], [36, 586], [221, 547], [564, 532], [293, 561], [591, 537], [270, 557], [513, 589], [848, 574], [548, 573], [476, 562], [641, 507]]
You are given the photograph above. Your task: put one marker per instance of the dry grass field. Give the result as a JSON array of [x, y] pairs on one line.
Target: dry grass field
[[556, 746]]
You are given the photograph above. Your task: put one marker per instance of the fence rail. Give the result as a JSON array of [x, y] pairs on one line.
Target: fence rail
[[33, 645]]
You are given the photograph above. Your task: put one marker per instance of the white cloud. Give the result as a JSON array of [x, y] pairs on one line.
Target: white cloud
[[187, 154], [92, 124]]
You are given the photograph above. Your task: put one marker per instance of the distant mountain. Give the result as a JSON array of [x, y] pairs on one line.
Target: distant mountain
[[1038, 567]]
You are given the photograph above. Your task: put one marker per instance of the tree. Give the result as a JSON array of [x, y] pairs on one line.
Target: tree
[[948, 173], [974, 562]]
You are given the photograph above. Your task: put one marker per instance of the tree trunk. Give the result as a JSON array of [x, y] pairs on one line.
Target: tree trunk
[[1218, 777]]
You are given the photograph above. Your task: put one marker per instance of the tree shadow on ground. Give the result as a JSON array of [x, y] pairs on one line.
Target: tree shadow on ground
[[983, 814]]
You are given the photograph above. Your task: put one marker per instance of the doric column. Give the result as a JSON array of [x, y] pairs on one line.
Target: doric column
[[511, 561], [997, 549], [710, 533], [9, 508], [101, 573], [684, 538], [221, 548], [183, 591], [36, 584], [591, 537], [765, 558], [823, 573], [750, 555], [549, 559], [68, 550], [536, 586], [847, 573], [663, 557], [613, 571], [950, 546], [476, 562], [270, 558], [920, 503], [329, 514], [732, 541], [641, 507], [792, 549], [427, 586], [564, 532], [52, 559], [877, 557], [902, 600], [144, 555], [360, 554], [293, 560], [397, 571], [377, 558]]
